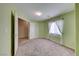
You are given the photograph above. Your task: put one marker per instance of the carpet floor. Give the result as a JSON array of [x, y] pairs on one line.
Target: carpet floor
[[42, 47]]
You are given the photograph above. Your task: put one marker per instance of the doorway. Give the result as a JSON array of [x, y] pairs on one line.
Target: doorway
[[23, 30], [20, 29]]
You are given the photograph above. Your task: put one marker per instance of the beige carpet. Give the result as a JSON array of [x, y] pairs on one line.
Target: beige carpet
[[42, 47]]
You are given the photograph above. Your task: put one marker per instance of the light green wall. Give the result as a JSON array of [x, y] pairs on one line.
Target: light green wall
[[77, 28], [5, 29], [69, 29], [5, 32], [54, 38], [43, 29]]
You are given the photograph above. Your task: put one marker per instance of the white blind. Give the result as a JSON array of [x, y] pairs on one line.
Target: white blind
[[56, 27]]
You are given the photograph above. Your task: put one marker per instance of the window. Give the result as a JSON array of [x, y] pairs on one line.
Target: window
[[56, 27]]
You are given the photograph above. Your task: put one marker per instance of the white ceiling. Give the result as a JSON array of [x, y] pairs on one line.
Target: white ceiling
[[48, 9]]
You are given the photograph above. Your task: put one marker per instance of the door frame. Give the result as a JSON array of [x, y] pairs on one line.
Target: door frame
[[12, 33]]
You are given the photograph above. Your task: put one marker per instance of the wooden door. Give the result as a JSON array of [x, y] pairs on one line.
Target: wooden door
[[23, 30]]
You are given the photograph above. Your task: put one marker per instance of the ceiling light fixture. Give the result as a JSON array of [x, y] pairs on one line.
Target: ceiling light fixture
[[38, 13]]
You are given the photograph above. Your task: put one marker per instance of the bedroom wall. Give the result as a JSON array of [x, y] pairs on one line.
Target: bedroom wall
[[42, 28], [77, 28], [38, 29], [33, 30], [69, 30], [5, 30]]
